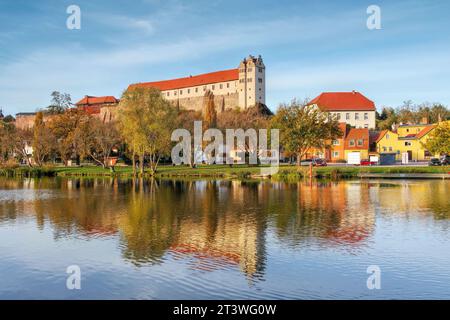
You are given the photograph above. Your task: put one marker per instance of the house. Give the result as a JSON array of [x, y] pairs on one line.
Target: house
[[103, 108], [352, 108], [357, 145], [407, 139]]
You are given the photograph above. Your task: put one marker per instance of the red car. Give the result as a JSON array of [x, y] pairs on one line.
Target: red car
[[367, 162]]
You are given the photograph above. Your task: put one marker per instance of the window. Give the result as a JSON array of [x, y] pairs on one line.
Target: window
[[366, 116], [260, 69], [427, 154], [196, 89], [168, 93], [221, 86], [407, 143], [347, 116], [259, 80], [335, 142], [249, 70], [181, 92], [351, 143], [360, 142], [189, 91], [384, 149], [249, 80], [390, 148], [204, 88], [366, 126], [387, 136], [228, 85], [407, 130], [174, 93], [338, 116], [335, 154], [213, 87], [356, 116]]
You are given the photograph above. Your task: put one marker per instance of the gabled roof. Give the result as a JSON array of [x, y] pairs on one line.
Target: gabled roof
[[343, 101], [91, 100], [357, 134], [425, 131], [192, 81], [382, 134]]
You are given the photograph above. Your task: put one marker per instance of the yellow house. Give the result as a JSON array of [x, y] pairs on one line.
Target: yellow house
[[408, 139]]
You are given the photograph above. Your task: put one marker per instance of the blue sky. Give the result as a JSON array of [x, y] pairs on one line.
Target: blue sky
[[308, 47]]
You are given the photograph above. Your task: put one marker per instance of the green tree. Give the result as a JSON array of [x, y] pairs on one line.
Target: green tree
[[439, 141], [60, 102], [303, 127], [146, 122]]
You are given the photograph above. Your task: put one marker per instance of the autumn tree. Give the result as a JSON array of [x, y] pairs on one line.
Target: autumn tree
[[439, 141], [303, 127], [96, 139], [7, 132], [63, 126], [43, 140], [146, 121], [22, 142]]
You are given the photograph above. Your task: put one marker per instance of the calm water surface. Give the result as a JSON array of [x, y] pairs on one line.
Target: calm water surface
[[223, 239]]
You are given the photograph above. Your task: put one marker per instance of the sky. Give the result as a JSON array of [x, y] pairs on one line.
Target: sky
[[308, 47]]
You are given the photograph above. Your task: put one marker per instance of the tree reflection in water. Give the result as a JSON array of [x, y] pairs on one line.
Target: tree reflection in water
[[213, 224]]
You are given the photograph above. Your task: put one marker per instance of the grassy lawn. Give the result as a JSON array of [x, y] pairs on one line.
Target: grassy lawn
[[223, 171]]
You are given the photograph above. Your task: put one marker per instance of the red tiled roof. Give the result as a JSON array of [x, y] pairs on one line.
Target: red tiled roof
[[357, 134], [90, 100], [192, 81], [343, 101], [425, 131]]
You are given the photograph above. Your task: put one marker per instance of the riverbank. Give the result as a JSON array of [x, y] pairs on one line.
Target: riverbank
[[286, 172]]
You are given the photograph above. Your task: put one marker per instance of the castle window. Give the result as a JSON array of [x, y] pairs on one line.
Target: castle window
[[260, 69], [260, 80]]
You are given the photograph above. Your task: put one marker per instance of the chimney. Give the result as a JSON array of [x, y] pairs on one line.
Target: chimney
[[354, 92]]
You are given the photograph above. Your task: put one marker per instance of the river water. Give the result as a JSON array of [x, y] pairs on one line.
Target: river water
[[222, 239]]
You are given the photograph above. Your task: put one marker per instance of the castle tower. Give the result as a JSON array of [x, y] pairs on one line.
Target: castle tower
[[252, 82]]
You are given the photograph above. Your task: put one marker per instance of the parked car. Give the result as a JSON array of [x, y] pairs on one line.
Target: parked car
[[367, 162], [445, 160], [434, 162], [316, 162]]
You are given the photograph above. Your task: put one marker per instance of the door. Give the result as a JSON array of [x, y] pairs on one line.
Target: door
[[409, 155]]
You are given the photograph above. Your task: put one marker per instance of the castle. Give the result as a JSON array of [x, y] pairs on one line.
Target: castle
[[243, 87]]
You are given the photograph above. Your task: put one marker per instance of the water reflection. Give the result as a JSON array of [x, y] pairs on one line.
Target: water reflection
[[216, 224]]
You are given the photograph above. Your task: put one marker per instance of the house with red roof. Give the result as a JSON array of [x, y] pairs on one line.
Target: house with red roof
[[406, 139], [242, 87], [353, 108], [103, 108]]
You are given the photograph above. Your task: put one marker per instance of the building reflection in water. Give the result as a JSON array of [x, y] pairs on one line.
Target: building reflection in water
[[211, 224]]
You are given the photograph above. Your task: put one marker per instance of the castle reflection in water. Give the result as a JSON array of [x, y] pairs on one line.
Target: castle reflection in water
[[214, 223]]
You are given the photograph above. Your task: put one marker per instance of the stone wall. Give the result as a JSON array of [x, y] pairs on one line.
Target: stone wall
[[196, 103]]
